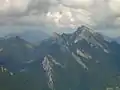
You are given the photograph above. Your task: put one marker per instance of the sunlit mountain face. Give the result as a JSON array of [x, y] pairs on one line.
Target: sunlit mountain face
[[83, 59]]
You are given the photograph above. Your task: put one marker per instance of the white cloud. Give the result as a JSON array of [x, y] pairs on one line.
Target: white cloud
[[115, 5], [100, 14], [77, 3], [7, 6]]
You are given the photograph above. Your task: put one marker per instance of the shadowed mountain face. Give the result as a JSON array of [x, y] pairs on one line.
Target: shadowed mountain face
[[117, 39], [82, 60], [15, 51]]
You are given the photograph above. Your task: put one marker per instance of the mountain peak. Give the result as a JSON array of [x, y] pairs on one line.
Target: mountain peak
[[12, 37], [82, 33], [84, 29]]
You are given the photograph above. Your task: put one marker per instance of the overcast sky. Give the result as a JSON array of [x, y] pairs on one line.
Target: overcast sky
[[60, 15]]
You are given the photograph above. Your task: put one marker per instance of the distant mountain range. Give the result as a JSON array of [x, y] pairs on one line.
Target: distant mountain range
[[83, 60], [32, 36]]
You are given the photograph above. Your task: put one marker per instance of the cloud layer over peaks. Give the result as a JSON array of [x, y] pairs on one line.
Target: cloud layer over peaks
[[99, 14]]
